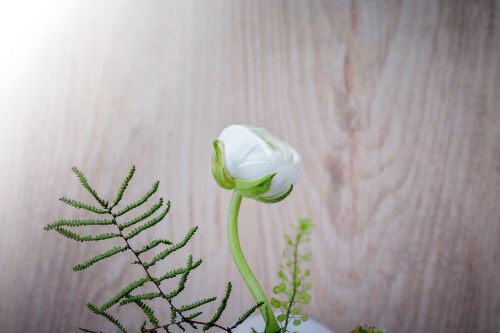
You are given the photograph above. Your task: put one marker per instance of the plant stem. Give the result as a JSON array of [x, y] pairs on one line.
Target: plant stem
[[242, 264], [294, 277]]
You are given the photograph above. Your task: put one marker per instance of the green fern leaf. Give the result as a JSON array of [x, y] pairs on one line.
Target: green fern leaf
[[143, 216], [149, 313], [139, 297], [294, 286], [182, 281], [162, 255], [220, 309], [197, 304], [76, 223], [247, 314], [139, 202], [85, 184], [123, 186], [194, 315], [148, 224], [100, 257], [173, 273], [88, 238], [106, 315], [152, 245], [81, 205], [124, 292]]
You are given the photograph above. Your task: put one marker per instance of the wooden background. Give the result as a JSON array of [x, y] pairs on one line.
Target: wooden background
[[393, 105]]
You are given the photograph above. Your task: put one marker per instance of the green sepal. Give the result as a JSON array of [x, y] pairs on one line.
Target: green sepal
[[218, 171], [256, 187], [276, 198]]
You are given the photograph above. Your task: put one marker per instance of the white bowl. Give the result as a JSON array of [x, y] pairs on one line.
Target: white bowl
[[257, 322]]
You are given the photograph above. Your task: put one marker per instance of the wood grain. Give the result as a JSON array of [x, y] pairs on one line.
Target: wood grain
[[394, 106]]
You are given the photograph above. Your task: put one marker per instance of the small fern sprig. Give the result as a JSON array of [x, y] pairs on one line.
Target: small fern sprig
[[179, 314], [293, 282]]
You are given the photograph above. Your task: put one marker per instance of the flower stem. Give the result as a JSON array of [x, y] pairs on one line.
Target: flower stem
[[258, 294]]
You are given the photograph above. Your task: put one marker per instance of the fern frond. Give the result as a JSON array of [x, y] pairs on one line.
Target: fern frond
[[152, 245], [148, 224], [100, 257], [143, 216], [220, 309], [81, 205], [163, 254], [124, 292], [86, 184], [139, 297], [196, 304], [182, 281], [139, 202], [173, 273], [149, 313], [76, 223], [247, 314], [123, 186], [88, 238], [106, 315], [290, 284]]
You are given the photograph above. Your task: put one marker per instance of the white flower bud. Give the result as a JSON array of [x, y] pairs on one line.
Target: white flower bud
[[251, 155]]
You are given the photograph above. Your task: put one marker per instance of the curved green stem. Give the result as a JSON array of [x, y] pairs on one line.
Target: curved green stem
[[242, 264]]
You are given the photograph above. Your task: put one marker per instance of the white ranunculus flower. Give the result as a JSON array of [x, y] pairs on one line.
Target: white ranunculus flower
[[250, 154]]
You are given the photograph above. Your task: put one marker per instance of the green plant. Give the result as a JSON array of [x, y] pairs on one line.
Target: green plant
[[294, 287], [181, 316], [367, 329], [256, 165]]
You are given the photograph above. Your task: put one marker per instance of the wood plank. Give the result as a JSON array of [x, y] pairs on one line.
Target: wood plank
[[393, 105]]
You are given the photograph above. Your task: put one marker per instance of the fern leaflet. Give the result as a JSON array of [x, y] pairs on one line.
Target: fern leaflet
[[148, 312], [85, 184], [134, 298], [139, 202], [123, 186], [74, 236], [247, 314], [197, 304], [106, 315], [124, 292], [143, 216], [152, 245], [100, 257], [220, 309], [173, 273], [148, 224], [76, 223], [165, 253], [81, 205]]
